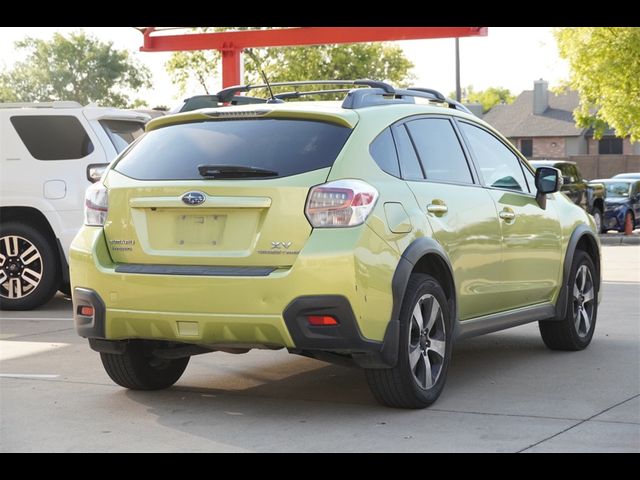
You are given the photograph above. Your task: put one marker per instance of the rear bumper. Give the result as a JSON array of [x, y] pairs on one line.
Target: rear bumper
[[343, 339], [261, 310]]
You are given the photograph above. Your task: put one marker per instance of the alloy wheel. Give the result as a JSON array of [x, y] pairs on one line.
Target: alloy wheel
[[583, 300], [21, 267], [427, 341]]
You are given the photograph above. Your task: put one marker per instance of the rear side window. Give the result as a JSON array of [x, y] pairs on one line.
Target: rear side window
[[383, 151], [53, 137], [409, 163], [285, 147], [122, 132], [439, 150]]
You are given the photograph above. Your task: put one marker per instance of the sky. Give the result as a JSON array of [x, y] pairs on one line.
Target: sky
[[510, 57]]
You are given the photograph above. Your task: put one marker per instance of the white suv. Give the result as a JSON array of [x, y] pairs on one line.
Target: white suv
[[49, 154]]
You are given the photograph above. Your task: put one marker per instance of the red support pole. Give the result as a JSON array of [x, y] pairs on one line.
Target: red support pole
[[231, 67], [231, 43]]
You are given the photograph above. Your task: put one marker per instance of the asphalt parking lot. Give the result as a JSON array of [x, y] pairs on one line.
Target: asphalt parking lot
[[505, 393]]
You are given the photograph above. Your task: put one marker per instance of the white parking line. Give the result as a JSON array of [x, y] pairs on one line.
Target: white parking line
[[11, 349], [46, 319], [27, 375]]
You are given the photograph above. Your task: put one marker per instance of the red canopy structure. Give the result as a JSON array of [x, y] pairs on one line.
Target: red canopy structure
[[230, 44]]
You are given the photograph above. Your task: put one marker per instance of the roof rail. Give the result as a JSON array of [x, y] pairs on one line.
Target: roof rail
[[54, 104], [226, 94], [378, 93], [369, 97]]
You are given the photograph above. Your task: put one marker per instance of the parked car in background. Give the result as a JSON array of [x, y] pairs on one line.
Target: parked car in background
[[49, 154], [622, 201], [373, 231], [587, 194], [633, 175]]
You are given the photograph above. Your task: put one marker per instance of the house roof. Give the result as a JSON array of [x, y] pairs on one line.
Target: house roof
[[518, 120]]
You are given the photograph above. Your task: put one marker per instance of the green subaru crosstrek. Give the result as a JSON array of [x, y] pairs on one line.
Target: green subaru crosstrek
[[377, 231]]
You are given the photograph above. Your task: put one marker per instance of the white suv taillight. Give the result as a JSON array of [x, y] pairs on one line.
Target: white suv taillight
[[95, 205], [343, 203]]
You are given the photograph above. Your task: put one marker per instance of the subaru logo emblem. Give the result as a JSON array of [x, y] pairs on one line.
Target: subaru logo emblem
[[194, 198]]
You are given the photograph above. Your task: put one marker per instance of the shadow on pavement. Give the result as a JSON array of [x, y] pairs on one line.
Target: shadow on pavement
[[319, 393]]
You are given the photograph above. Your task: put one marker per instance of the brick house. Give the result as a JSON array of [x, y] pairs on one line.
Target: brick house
[[541, 125]]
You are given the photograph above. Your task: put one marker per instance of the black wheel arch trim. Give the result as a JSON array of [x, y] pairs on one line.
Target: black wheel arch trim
[[578, 234], [417, 250], [64, 265]]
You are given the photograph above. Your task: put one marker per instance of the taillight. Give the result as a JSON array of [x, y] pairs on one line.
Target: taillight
[[343, 203], [95, 205]]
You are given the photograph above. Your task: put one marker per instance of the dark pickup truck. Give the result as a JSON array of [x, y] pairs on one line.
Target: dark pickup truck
[[589, 195]]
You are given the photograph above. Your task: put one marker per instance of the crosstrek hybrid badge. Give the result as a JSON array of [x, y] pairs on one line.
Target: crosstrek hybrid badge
[[376, 230]]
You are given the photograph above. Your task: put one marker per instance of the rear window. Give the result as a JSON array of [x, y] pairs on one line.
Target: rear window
[[286, 147], [122, 132], [53, 137]]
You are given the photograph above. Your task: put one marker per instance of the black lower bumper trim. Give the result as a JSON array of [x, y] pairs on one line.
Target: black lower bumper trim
[[89, 327], [344, 338], [194, 270]]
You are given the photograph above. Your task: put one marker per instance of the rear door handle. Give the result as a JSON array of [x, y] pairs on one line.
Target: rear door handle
[[507, 215], [437, 209]]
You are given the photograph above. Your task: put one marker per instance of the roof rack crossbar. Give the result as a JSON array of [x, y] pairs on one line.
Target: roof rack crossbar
[[226, 94], [297, 94]]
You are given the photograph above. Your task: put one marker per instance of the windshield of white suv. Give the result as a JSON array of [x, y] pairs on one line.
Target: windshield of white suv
[[122, 132]]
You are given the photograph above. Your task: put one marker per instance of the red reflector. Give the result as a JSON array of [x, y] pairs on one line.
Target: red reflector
[[321, 320], [86, 311]]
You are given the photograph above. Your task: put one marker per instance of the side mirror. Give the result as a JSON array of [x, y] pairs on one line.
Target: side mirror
[[95, 171], [548, 180]]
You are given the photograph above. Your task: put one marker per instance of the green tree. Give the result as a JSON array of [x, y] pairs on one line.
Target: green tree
[[605, 70], [379, 61], [78, 67], [489, 98], [198, 65]]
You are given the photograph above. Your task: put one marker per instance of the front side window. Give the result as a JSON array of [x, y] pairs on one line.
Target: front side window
[[255, 148], [122, 132], [531, 179], [439, 150], [53, 137], [499, 166]]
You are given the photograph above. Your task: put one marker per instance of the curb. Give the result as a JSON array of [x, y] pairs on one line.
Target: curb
[[619, 239]]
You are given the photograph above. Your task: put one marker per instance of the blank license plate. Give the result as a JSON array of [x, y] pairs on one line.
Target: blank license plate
[[200, 229]]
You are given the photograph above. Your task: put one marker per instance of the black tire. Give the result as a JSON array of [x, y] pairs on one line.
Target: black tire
[[400, 386], [65, 289], [571, 334], [139, 369], [599, 219], [17, 291]]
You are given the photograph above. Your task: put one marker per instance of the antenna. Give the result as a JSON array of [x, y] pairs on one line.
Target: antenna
[[264, 76]]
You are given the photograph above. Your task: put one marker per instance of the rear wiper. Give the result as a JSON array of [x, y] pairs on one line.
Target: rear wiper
[[234, 171]]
